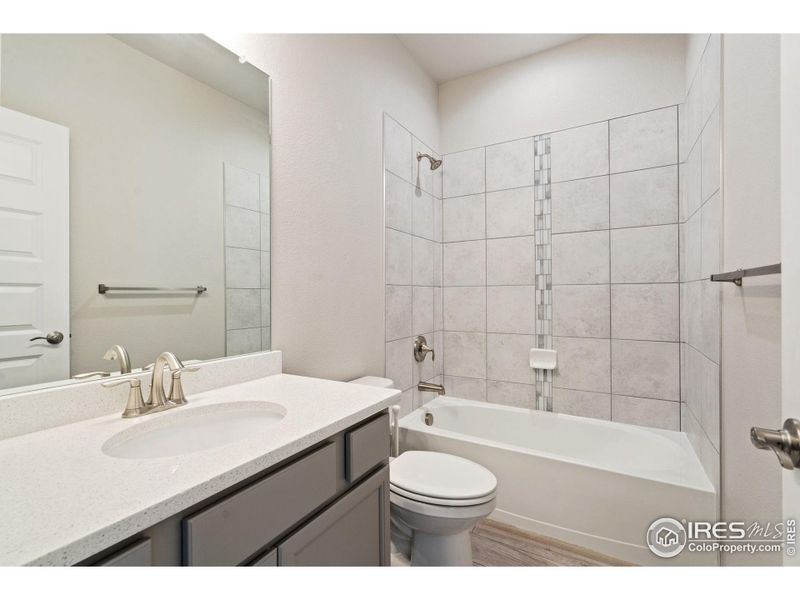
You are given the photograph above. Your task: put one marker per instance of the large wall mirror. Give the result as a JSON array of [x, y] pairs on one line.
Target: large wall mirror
[[134, 204]]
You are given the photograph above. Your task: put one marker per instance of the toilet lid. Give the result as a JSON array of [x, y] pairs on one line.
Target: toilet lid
[[439, 475]]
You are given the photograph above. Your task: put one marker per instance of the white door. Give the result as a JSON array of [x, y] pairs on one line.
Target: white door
[[34, 250], [790, 259]]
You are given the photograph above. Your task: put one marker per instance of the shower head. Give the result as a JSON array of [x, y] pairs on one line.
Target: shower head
[[435, 163]]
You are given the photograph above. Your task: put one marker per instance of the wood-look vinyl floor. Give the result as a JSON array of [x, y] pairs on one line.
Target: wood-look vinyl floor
[[499, 545]]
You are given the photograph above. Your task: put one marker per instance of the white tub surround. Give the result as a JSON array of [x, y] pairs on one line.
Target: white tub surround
[[63, 499], [589, 482]]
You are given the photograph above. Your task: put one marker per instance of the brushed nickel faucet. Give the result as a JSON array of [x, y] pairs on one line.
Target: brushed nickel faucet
[[157, 400], [431, 387], [118, 353]]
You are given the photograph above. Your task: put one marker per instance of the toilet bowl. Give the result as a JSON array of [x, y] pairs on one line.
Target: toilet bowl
[[436, 500]]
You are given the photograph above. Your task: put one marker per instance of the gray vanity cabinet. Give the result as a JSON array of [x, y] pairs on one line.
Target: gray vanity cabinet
[[328, 505], [354, 531]]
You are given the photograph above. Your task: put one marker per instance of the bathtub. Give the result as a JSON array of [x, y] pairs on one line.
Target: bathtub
[[584, 481]]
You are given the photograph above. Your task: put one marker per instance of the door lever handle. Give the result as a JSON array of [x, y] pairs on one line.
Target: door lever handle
[[54, 337], [784, 442]]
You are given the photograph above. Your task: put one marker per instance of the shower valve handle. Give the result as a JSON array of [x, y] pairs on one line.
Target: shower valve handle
[[421, 349]]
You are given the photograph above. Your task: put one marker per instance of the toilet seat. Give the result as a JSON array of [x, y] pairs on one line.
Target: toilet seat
[[441, 479], [440, 501]]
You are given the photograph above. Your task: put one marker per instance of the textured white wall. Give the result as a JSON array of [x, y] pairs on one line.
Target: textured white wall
[[329, 95], [591, 79], [751, 315]]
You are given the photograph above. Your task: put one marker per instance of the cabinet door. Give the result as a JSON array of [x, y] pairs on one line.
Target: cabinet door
[[354, 531]]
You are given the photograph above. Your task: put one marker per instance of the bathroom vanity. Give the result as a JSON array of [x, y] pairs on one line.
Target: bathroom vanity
[[325, 506], [309, 487]]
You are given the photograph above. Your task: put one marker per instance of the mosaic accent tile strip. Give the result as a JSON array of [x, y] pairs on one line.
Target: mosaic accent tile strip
[[543, 265]]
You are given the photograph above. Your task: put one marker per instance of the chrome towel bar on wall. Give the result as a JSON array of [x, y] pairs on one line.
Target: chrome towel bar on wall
[[103, 288], [737, 276]]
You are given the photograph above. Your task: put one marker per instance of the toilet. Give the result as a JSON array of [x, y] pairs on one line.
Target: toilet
[[436, 500]]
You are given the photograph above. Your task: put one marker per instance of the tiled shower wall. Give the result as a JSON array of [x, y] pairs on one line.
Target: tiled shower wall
[[611, 304], [413, 240], [247, 261], [701, 226]]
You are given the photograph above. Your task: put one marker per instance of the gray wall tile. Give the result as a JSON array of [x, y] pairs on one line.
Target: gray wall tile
[[242, 341], [582, 404], [464, 218], [398, 258], [399, 197], [399, 359], [691, 183], [242, 268], [583, 364], [579, 152], [644, 140], [646, 412], [510, 213], [398, 312], [580, 205], [647, 311], [424, 261], [264, 194], [510, 309], [510, 261], [711, 237], [242, 308], [581, 258], [424, 219], [464, 173], [422, 310], [465, 354], [710, 68], [581, 311], [465, 308], [509, 165], [508, 357], [646, 197], [242, 228], [241, 188], [511, 394], [644, 254], [710, 148], [265, 270], [396, 148], [465, 387], [465, 263], [645, 369]]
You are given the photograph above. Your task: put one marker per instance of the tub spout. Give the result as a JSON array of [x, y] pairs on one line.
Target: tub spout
[[431, 387]]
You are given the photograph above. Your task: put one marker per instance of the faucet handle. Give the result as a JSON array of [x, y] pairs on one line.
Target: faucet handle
[[421, 349], [135, 405], [176, 395]]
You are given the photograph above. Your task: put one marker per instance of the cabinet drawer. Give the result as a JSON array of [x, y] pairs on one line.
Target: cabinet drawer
[[138, 554], [353, 532], [366, 446], [235, 528]]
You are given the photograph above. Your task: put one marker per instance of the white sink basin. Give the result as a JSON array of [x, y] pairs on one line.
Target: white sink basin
[[185, 430]]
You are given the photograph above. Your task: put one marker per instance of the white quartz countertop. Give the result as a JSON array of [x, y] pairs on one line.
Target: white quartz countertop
[[62, 499]]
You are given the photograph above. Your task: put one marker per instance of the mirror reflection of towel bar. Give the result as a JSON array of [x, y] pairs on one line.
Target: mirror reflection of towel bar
[[103, 288]]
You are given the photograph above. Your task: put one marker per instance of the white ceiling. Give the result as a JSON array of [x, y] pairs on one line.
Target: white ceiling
[[446, 56]]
